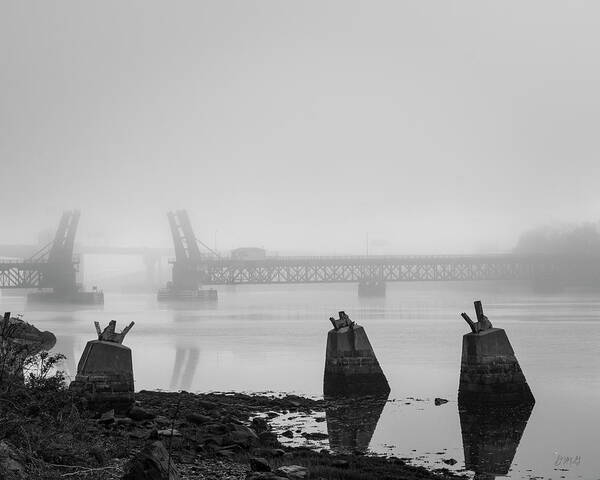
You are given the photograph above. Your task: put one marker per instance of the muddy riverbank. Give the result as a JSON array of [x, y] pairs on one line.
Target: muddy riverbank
[[216, 436]]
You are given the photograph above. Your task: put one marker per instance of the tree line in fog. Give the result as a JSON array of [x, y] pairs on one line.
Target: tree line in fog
[[582, 239]]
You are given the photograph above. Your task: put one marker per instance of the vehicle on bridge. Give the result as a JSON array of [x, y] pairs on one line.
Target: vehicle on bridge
[[249, 253]]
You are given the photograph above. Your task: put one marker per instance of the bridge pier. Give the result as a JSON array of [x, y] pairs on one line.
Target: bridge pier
[[371, 287], [351, 367], [490, 373]]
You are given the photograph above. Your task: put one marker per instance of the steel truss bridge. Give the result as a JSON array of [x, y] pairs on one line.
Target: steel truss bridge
[[389, 268], [192, 268], [53, 266]]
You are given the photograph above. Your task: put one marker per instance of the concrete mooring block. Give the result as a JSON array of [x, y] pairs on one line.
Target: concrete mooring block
[[351, 367], [489, 371], [105, 372]]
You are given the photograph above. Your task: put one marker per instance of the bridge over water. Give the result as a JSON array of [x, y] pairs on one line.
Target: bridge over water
[[386, 268], [55, 266]]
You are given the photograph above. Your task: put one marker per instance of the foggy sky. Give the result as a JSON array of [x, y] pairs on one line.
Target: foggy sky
[[437, 127]]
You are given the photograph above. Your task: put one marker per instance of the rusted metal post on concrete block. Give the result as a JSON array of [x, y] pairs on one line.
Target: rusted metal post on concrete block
[[105, 372], [490, 373], [351, 367]]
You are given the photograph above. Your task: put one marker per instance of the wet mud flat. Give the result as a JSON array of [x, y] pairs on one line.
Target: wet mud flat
[[224, 435], [235, 427]]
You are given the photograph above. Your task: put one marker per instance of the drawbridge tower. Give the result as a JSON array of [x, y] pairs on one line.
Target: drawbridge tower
[[61, 266], [51, 270], [187, 252], [188, 270]]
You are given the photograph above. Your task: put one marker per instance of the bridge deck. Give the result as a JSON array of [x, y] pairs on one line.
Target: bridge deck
[[386, 268]]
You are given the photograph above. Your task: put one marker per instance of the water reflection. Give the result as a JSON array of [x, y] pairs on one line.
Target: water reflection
[[184, 368], [491, 437], [351, 422]]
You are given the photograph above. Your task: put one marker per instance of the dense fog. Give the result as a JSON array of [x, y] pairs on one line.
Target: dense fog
[[303, 128]]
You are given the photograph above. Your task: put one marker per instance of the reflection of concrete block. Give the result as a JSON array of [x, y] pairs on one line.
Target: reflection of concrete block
[[490, 372], [105, 376], [351, 367], [491, 437], [351, 422]]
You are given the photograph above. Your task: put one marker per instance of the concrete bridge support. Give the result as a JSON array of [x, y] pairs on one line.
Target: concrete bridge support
[[351, 367], [490, 373], [105, 372]]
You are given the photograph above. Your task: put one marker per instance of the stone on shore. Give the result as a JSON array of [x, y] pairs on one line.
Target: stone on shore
[[258, 464], [152, 463], [11, 467], [293, 472]]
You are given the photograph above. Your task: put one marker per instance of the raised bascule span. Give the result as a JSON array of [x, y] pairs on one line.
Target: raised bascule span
[[52, 270]]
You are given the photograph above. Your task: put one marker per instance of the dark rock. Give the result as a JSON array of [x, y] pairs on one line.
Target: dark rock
[[11, 467], [139, 434], [288, 434], [258, 464], [259, 425], [292, 472], [162, 421], [107, 417], [440, 401], [198, 419], [99, 454], [449, 461], [340, 463], [226, 452], [139, 414], [207, 405], [152, 463], [217, 428], [268, 452], [243, 436], [263, 476], [315, 435], [268, 438]]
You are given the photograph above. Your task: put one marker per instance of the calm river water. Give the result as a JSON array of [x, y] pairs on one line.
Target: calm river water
[[272, 338]]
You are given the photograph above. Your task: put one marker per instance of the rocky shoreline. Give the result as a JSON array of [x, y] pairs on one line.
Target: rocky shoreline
[[229, 436], [214, 436]]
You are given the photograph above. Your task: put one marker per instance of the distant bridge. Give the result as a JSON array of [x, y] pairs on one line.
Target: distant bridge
[[384, 268], [192, 268]]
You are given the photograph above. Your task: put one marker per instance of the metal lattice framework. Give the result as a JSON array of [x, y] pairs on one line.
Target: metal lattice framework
[[53, 266], [386, 268], [21, 274]]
